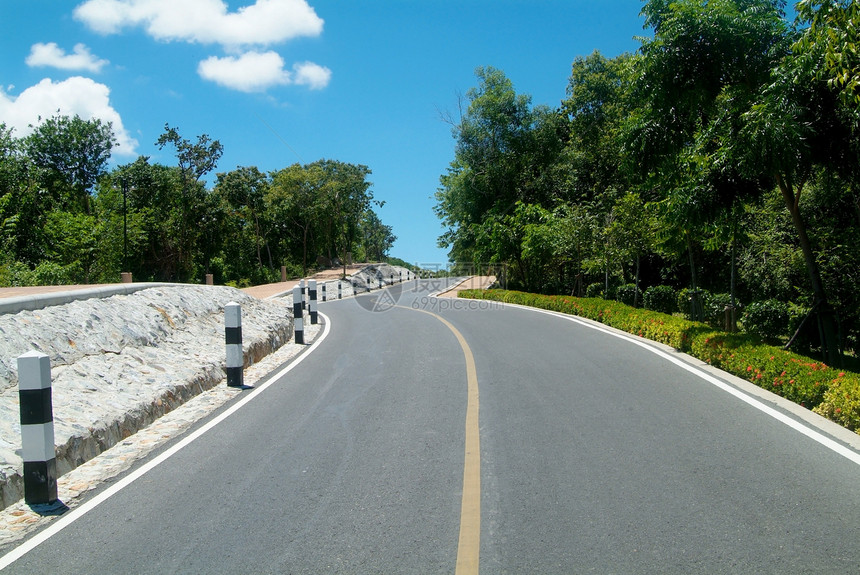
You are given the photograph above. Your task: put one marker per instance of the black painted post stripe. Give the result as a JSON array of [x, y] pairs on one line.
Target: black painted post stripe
[[36, 406], [235, 376], [40, 482], [233, 335]]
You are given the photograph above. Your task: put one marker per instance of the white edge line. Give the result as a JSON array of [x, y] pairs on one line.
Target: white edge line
[[85, 508], [817, 436]]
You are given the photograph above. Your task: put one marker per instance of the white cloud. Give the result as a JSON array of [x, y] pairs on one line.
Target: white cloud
[[206, 21], [250, 72], [258, 71], [52, 55], [312, 75], [76, 95]]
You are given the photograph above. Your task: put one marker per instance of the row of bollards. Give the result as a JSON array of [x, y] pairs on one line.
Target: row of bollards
[[36, 409], [34, 392]]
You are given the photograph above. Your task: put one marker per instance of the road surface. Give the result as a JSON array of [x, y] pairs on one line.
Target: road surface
[[424, 435]]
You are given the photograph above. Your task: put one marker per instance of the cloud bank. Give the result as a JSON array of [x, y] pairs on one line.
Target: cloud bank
[[205, 21], [261, 24], [76, 95]]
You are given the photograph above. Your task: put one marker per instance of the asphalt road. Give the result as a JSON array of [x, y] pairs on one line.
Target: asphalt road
[[596, 455]]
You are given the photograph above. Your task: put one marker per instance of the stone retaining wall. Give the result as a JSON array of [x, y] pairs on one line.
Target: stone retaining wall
[[121, 362]]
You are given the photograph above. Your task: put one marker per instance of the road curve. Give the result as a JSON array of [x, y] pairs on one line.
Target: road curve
[[595, 455]]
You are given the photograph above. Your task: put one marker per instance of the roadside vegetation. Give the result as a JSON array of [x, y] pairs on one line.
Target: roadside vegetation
[[716, 168], [65, 218]]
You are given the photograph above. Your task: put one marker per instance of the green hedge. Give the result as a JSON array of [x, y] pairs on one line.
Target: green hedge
[[832, 393]]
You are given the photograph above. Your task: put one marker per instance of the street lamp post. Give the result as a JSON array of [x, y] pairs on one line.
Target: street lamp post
[[124, 225], [125, 275]]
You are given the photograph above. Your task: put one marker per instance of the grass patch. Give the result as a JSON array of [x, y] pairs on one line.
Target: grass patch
[[830, 392]]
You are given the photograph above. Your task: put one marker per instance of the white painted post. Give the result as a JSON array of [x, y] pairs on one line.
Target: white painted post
[[302, 299], [323, 291], [339, 290], [37, 428], [298, 322], [233, 339], [312, 304]]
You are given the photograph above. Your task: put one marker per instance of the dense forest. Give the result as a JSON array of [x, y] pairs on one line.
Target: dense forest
[[66, 218], [717, 167]]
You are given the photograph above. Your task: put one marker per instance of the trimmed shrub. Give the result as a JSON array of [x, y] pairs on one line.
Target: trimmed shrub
[[595, 290], [628, 294], [842, 401], [663, 299], [53, 274], [796, 378], [15, 274], [767, 319]]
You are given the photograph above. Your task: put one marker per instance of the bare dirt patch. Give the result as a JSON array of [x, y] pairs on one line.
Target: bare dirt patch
[[472, 282]]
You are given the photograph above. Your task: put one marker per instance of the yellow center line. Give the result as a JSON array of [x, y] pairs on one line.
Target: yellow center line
[[469, 546]]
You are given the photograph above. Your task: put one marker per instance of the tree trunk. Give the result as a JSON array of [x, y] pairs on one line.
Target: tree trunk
[[857, 207], [636, 291], [829, 338], [692, 262], [258, 240], [731, 320], [305, 250], [695, 296]]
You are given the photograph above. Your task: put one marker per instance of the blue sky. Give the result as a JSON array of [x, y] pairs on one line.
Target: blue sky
[[286, 81]]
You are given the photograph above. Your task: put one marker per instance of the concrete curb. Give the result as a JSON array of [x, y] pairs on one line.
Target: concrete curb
[[16, 304]]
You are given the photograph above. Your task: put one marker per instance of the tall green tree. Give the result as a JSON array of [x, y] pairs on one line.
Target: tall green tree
[[696, 79], [153, 209], [344, 198], [596, 107], [506, 153], [70, 154], [244, 190], [195, 160], [377, 238], [796, 125], [21, 216]]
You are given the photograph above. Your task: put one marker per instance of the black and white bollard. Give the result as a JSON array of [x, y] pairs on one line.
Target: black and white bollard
[[312, 302], [298, 322], [323, 291], [233, 338], [339, 290], [37, 428], [303, 298]]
